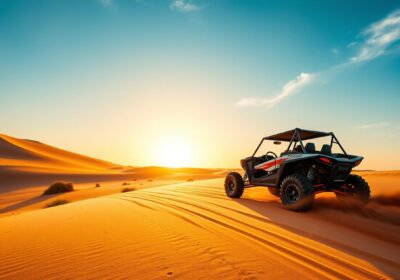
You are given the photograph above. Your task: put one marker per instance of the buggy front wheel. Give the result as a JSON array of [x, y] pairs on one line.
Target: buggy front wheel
[[234, 185]]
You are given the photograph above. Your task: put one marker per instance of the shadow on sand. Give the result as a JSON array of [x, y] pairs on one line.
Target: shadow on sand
[[26, 203]]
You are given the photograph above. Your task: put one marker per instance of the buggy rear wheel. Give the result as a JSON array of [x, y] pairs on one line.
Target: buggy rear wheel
[[296, 193], [356, 190], [234, 185]]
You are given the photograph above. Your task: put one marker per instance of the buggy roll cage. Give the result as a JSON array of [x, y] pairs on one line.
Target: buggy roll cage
[[296, 138]]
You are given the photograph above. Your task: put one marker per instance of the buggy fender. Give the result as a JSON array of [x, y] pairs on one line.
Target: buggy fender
[[290, 162]]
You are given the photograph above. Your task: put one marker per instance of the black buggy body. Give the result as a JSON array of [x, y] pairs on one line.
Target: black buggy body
[[301, 170]]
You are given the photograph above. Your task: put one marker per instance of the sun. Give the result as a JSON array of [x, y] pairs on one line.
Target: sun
[[175, 152]]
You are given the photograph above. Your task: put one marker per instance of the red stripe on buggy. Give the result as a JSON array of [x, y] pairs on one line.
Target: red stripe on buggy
[[272, 163]]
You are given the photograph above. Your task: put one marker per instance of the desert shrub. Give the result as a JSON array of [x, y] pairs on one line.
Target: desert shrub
[[150, 180], [57, 202], [134, 179], [128, 189], [125, 184], [59, 187], [97, 185], [190, 180]]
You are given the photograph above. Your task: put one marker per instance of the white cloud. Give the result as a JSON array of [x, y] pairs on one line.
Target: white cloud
[[106, 3], [184, 6], [378, 37], [288, 89], [375, 125]]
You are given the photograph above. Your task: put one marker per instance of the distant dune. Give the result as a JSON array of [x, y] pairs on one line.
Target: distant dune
[[21, 153], [27, 167], [26, 163]]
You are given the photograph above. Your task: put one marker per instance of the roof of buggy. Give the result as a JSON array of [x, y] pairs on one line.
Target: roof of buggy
[[304, 135]]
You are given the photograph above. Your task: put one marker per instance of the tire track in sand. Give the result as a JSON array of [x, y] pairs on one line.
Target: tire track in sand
[[294, 255]]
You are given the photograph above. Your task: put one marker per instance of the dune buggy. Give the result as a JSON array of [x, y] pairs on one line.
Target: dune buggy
[[301, 171]]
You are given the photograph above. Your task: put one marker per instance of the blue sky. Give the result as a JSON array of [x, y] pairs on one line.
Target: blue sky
[[112, 79]]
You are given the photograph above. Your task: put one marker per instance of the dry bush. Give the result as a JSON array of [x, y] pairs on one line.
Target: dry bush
[[59, 187]]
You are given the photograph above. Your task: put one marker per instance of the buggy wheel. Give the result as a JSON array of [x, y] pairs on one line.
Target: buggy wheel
[[234, 185], [296, 193], [273, 191], [356, 190]]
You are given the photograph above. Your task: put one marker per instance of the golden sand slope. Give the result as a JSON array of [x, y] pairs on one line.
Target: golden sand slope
[[32, 198], [193, 231], [27, 168], [27, 163], [28, 153]]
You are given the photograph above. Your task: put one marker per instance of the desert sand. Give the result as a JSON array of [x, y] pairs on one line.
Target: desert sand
[[174, 229], [193, 231], [27, 167]]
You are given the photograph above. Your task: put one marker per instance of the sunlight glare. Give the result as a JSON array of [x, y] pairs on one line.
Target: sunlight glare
[[175, 152]]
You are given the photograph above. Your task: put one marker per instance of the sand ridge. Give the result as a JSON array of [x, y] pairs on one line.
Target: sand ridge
[[29, 153]]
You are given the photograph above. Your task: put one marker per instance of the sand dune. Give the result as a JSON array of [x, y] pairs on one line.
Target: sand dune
[[26, 163], [27, 167], [22, 153], [193, 231]]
